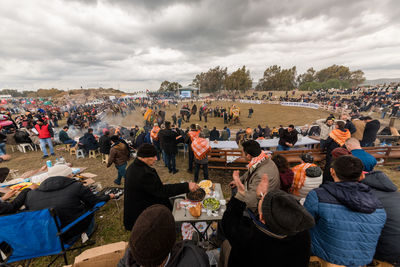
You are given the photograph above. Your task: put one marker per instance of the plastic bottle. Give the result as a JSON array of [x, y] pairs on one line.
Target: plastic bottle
[[49, 164]]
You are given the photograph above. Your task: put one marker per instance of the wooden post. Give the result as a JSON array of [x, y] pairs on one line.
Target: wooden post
[[391, 123]]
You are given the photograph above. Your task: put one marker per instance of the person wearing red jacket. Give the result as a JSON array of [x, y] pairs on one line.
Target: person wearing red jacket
[[46, 135]]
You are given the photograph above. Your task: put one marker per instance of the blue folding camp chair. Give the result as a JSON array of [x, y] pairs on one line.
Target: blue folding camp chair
[[33, 234]]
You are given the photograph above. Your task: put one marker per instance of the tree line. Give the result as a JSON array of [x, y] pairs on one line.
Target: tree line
[[275, 78]]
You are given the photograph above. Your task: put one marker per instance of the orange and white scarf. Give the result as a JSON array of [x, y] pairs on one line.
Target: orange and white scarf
[[193, 135], [339, 136], [300, 176], [263, 156], [154, 133], [200, 147]]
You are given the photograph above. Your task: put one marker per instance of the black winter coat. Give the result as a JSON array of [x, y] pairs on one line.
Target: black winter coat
[[388, 248], [168, 143], [105, 144], [286, 136], [350, 126], [253, 247], [214, 135], [68, 197], [370, 131], [90, 142], [143, 188], [15, 205]]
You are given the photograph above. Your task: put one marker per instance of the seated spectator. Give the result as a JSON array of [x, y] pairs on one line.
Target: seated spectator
[[153, 243], [3, 140], [257, 133], [69, 197], [277, 236], [307, 176], [214, 134], [388, 248], [337, 138], [285, 173], [260, 163], [345, 211], [33, 134], [17, 203], [64, 138], [88, 141], [206, 132], [354, 147], [287, 138], [105, 143], [274, 133], [224, 135]]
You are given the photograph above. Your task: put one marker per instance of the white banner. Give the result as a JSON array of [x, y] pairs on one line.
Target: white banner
[[300, 104], [251, 101]]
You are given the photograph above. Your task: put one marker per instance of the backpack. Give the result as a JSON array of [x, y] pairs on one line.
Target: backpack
[[186, 253]]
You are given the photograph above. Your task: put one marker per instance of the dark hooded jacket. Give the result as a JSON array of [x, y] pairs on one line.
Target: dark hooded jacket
[[388, 248], [15, 205], [89, 142], [184, 253], [370, 131], [349, 220], [254, 245], [168, 141], [105, 144], [68, 197]]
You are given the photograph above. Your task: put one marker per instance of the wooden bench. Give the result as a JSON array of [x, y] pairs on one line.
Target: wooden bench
[[293, 156], [385, 152], [217, 159]]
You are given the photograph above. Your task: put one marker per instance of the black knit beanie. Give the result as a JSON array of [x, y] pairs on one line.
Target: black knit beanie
[[146, 151], [153, 236], [284, 215]]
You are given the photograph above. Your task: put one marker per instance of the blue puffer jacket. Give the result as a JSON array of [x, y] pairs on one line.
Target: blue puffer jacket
[[348, 222]]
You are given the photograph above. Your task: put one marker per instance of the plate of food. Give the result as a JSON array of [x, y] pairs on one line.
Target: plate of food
[[205, 184], [196, 210], [211, 204], [197, 195]]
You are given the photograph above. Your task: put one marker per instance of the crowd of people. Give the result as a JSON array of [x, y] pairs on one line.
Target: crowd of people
[[344, 211]]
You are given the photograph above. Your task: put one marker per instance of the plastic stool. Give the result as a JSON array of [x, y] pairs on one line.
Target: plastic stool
[[23, 147], [92, 154], [72, 151], [104, 158], [67, 147], [80, 153]]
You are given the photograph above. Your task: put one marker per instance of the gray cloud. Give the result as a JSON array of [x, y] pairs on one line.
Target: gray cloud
[[138, 44]]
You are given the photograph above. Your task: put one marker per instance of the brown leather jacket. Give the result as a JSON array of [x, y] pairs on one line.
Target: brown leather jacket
[[119, 155]]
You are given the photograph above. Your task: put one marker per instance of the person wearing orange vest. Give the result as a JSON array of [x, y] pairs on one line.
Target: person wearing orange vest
[[191, 135], [200, 147], [155, 139], [45, 135]]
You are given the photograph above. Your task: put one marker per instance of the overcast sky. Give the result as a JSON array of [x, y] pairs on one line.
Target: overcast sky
[[136, 44]]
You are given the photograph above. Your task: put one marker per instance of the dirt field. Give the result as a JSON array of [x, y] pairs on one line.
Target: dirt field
[[264, 114], [109, 219]]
